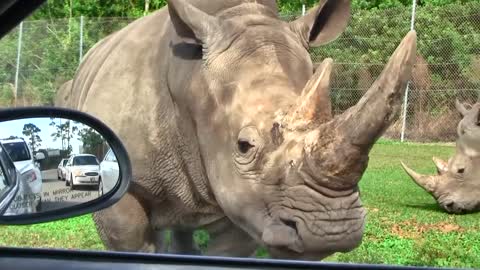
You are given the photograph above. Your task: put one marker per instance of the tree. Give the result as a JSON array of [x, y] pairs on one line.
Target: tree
[[65, 133], [137, 8], [31, 131], [93, 8], [92, 141]]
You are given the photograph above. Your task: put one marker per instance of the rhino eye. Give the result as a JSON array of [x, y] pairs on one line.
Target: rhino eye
[[462, 170], [244, 146], [247, 145]]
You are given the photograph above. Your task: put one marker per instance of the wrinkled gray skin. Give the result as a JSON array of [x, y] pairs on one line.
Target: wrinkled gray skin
[[456, 187], [229, 130], [63, 93]]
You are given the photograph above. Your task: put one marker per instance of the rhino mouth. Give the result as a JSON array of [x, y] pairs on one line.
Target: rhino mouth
[[295, 239], [456, 207], [282, 233], [314, 223]]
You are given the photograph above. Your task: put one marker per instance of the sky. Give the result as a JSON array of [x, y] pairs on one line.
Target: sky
[[15, 128]]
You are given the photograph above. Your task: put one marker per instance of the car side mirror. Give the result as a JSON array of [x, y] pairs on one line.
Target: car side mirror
[[39, 156], [36, 195]]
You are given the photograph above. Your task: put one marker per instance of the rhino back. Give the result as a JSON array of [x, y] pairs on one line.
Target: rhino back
[[123, 82], [63, 94]]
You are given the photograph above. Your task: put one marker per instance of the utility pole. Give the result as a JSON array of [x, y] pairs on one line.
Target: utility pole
[[405, 101]]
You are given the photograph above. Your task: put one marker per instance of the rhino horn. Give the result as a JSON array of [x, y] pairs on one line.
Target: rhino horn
[[428, 183], [336, 152], [442, 166], [460, 107], [368, 119], [313, 105]]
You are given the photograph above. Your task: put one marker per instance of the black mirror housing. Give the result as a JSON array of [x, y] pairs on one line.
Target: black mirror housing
[[95, 203]]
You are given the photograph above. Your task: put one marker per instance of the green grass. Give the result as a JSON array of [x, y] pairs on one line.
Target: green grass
[[404, 224], [73, 233]]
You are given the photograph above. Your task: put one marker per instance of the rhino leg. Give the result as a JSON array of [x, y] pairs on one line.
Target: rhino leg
[[182, 242], [226, 239], [160, 237], [125, 226]]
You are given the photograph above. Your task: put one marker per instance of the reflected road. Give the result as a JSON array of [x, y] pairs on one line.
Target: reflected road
[[56, 195]]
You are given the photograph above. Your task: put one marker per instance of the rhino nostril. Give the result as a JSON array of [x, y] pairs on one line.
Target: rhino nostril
[[462, 170], [449, 206], [290, 223], [244, 146]]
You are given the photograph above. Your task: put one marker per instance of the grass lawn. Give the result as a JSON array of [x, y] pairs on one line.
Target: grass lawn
[[404, 224]]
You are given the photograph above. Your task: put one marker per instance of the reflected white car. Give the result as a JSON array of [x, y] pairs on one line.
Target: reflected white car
[[82, 170], [28, 198], [109, 173], [61, 170]]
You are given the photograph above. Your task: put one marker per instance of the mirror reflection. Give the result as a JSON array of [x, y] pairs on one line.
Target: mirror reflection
[[60, 163], [3, 183]]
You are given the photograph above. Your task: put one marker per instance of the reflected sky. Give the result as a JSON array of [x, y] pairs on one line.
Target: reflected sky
[[15, 128]]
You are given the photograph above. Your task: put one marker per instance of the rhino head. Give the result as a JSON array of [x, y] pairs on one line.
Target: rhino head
[[280, 165], [468, 129], [457, 183]]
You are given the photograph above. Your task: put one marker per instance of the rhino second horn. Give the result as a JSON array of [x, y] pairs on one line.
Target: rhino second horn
[[373, 114], [426, 182], [313, 105], [442, 166]]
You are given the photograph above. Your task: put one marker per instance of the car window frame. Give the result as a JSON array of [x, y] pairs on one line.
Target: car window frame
[[69, 161], [111, 156], [7, 182], [107, 156], [12, 176], [30, 157]]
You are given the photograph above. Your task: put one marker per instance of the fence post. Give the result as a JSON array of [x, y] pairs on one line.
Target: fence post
[[303, 9], [81, 40], [17, 70], [405, 101]]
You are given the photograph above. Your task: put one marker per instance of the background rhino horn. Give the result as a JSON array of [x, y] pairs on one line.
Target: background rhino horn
[[363, 123], [428, 183], [313, 104], [460, 108], [442, 166]]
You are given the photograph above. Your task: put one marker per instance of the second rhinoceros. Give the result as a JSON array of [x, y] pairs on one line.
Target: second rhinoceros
[[456, 187], [230, 130]]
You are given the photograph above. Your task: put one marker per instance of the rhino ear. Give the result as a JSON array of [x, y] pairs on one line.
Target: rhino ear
[[192, 23], [323, 23]]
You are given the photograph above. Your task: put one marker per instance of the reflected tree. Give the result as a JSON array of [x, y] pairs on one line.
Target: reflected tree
[[12, 137], [65, 132], [93, 143], [31, 131]]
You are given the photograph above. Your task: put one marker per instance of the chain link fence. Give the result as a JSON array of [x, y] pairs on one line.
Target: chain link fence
[[39, 56], [447, 66]]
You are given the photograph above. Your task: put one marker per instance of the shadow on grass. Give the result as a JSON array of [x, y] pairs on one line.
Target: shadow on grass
[[431, 207]]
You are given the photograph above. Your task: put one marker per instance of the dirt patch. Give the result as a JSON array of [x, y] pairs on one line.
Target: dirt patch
[[413, 229], [372, 210]]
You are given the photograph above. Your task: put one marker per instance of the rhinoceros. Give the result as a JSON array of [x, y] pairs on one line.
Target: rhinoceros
[[230, 129], [456, 187], [62, 95]]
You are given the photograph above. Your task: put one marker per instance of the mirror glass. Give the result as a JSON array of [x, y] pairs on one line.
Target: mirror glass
[[61, 163]]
